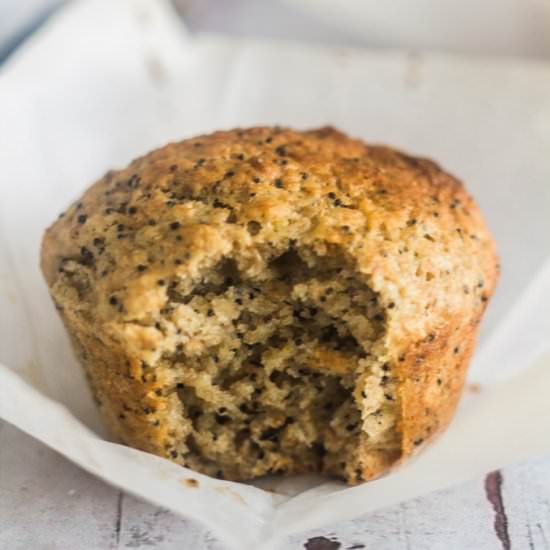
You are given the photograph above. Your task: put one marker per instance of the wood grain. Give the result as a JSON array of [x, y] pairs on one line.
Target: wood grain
[[48, 503]]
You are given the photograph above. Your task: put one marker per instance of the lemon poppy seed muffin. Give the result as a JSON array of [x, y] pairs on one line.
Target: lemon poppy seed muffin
[[274, 301]]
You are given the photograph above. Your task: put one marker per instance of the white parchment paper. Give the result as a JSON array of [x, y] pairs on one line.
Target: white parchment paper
[[106, 81]]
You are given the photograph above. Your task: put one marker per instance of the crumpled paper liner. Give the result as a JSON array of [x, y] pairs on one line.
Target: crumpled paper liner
[[106, 81]]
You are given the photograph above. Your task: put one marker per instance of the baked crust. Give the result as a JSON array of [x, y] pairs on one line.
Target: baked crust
[[411, 230]]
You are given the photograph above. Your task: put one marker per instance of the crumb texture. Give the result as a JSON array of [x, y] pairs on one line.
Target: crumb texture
[[271, 301]]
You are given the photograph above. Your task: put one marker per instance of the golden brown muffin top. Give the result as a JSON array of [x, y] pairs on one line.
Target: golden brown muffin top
[[408, 226]]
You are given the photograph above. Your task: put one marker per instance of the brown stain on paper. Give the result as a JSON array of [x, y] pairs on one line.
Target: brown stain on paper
[[189, 482]]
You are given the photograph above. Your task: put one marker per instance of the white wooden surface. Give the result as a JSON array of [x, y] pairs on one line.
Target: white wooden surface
[[47, 503]]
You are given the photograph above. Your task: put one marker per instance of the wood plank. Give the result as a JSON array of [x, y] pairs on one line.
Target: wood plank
[[526, 497], [460, 517], [46, 502], [144, 526]]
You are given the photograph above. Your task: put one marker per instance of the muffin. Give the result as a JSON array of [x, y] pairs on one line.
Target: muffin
[[265, 301]]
